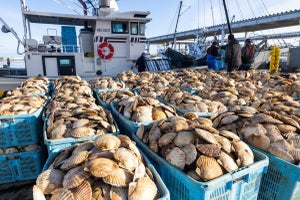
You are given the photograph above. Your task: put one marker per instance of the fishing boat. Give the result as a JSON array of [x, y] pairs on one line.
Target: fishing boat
[[110, 41]]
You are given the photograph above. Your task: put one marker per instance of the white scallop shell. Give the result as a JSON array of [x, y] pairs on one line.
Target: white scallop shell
[[101, 167], [127, 159], [107, 142], [120, 178], [176, 157], [74, 177], [208, 168], [75, 160], [50, 180], [144, 189]]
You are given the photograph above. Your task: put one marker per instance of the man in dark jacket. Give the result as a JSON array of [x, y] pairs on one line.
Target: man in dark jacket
[[233, 54], [248, 52], [141, 63]]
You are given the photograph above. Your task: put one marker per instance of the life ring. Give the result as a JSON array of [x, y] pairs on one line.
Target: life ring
[[105, 50]]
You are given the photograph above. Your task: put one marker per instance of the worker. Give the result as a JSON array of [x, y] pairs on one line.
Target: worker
[[212, 54], [233, 54], [141, 63], [248, 52]]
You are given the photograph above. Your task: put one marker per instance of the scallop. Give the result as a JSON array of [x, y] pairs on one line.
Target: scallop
[[58, 132], [101, 167], [230, 135], [139, 172], [227, 162], [50, 180], [74, 177], [166, 139], [190, 115], [260, 141], [107, 142], [129, 144], [83, 191], [212, 150], [243, 152], [208, 168], [176, 157], [144, 113], [86, 146], [118, 193], [144, 189], [158, 114], [38, 193], [190, 153], [206, 136], [281, 153], [82, 131], [224, 142], [75, 160], [183, 137], [62, 194], [119, 178], [80, 122], [127, 159]]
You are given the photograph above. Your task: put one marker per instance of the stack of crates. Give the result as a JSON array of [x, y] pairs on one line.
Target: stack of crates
[[69, 39], [21, 153]]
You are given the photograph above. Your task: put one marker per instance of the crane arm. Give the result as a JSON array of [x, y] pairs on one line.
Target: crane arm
[[6, 29]]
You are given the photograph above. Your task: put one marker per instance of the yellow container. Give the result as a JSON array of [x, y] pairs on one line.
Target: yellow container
[[1, 93]]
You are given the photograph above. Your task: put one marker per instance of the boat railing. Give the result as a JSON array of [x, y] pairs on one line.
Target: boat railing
[[56, 48]]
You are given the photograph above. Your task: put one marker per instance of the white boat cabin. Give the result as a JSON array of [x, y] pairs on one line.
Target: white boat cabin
[[109, 42]]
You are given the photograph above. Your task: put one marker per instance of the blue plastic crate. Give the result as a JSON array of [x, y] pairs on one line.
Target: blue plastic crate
[[282, 181], [57, 144], [239, 184], [20, 130], [21, 166], [125, 125], [163, 190]]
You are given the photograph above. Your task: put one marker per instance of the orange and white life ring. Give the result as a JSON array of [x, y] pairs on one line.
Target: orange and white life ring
[[105, 50]]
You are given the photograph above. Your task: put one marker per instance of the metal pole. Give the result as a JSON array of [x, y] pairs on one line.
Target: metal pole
[[180, 4], [227, 18]]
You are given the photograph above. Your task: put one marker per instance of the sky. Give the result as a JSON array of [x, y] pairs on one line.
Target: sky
[[194, 14]]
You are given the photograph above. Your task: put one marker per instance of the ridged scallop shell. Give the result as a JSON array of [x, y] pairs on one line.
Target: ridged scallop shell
[[37, 193], [74, 177], [260, 141], [75, 160], [144, 113], [62, 194], [118, 193], [129, 144], [144, 188], [50, 180], [206, 136], [295, 140], [190, 153], [82, 131], [63, 155], [296, 155], [58, 132], [166, 139], [212, 150], [86, 146], [176, 157], [120, 178], [249, 129], [264, 118], [183, 137], [80, 122], [208, 128], [140, 132], [286, 128], [227, 162], [190, 115], [281, 153], [107, 142], [230, 135], [127, 159], [208, 168], [243, 152], [139, 172], [101, 167], [273, 132], [224, 143], [83, 191]]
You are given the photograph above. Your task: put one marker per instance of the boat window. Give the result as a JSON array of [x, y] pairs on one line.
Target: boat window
[[142, 28], [134, 28], [119, 27], [64, 62]]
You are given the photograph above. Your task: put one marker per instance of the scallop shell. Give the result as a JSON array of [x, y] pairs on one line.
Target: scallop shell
[[205, 135], [264, 118], [249, 129], [50, 180], [63, 155], [83, 191], [227, 162], [38, 193], [190, 153], [140, 132], [107, 142], [281, 153], [166, 139], [295, 140], [224, 143], [190, 115], [129, 144], [158, 114], [74, 177], [296, 154], [127, 159], [139, 172], [212, 150], [260, 141], [118, 193], [80, 122], [183, 137], [58, 132], [193, 175], [243, 152], [82, 131], [208, 168], [120, 178], [228, 119], [286, 128], [75, 160], [144, 189], [144, 113], [86, 146], [62, 194], [101, 167], [230, 135], [176, 157], [273, 132]]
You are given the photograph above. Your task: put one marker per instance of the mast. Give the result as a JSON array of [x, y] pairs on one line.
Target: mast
[[227, 18], [180, 4]]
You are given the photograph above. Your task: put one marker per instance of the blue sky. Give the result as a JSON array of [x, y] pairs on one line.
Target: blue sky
[[195, 13]]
